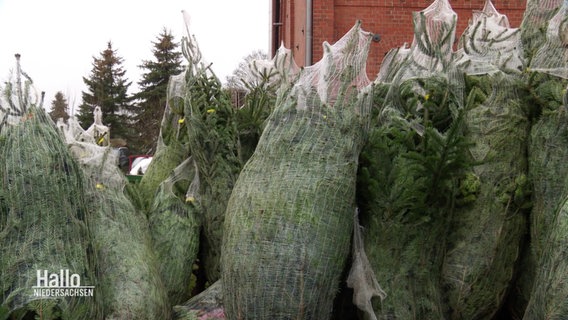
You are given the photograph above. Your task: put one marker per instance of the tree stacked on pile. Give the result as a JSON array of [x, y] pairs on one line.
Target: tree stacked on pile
[[108, 89], [44, 218], [547, 153], [411, 166], [213, 142], [290, 215], [443, 181]]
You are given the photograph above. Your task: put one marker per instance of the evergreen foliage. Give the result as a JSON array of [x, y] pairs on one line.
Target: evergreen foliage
[[289, 218], [59, 108], [152, 96], [242, 78], [44, 220], [107, 88], [408, 185]]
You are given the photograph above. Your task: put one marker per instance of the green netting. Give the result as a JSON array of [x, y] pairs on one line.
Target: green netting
[[289, 218], [549, 298], [44, 221], [484, 239], [174, 226]]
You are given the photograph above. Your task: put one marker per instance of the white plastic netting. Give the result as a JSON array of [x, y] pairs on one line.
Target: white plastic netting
[[434, 35], [545, 34], [404, 72], [129, 280], [289, 219], [361, 276], [172, 143], [98, 131], [44, 219], [489, 44], [552, 56], [282, 68], [17, 95], [175, 229], [534, 25], [392, 63], [431, 48], [437, 258]]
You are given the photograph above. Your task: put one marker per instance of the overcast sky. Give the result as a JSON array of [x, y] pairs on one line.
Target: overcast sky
[[58, 39]]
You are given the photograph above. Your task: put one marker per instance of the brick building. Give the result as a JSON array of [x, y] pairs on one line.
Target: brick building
[[304, 30]]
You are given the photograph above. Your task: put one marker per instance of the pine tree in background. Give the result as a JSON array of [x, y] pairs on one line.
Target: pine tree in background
[[59, 108], [107, 88], [152, 95]]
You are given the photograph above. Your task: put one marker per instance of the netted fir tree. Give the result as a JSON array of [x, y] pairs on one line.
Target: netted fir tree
[[243, 77], [107, 87], [152, 96]]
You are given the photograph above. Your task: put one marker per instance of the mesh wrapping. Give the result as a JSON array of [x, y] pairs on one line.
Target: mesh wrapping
[[535, 21], [548, 149], [434, 35], [544, 266], [16, 96], [172, 146], [406, 215], [552, 56], [129, 284], [44, 221], [289, 218], [281, 69], [361, 276], [485, 235], [489, 44], [549, 298], [404, 227], [174, 227], [391, 64], [414, 140], [213, 140]]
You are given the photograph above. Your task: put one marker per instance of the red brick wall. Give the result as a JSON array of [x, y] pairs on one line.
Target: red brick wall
[[392, 19]]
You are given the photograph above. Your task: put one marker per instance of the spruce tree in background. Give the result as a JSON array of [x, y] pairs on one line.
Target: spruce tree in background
[[107, 88], [59, 108], [152, 95]]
